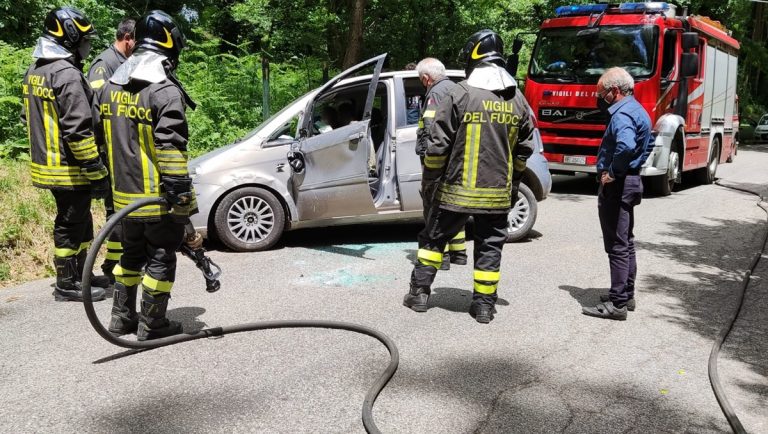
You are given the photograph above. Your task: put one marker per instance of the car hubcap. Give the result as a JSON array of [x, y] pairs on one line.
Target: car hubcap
[[250, 219], [519, 214]]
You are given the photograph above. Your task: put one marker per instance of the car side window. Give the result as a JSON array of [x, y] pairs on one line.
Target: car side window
[[414, 95], [285, 134]]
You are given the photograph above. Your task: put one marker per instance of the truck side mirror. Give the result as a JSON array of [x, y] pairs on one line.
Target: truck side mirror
[[512, 63], [689, 65], [517, 45], [689, 40]]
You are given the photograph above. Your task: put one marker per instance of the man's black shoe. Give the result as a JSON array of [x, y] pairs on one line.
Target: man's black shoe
[[416, 299], [482, 313], [606, 310], [630, 304]]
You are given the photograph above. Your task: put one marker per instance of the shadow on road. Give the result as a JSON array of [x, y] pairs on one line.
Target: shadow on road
[[455, 299], [587, 297], [519, 398], [717, 253], [187, 316]]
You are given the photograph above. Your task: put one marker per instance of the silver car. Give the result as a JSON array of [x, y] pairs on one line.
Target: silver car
[[352, 141]]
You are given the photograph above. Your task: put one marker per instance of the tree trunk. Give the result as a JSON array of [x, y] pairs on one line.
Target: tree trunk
[[355, 39]]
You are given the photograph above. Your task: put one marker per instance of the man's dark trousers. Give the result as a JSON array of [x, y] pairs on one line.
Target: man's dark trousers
[[615, 203]]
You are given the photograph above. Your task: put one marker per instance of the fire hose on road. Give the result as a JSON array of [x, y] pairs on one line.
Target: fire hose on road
[[714, 377], [370, 396]]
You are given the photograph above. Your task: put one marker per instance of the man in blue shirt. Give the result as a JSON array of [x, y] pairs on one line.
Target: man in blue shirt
[[625, 147]]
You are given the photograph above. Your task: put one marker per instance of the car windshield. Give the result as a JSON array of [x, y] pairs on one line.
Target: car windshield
[[763, 120], [583, 54], [269, 121]]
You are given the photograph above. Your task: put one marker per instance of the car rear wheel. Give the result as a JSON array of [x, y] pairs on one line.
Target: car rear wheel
[[522, 216], [249, 219]]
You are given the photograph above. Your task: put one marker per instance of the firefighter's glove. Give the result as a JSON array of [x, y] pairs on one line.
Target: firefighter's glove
[[178, 190], [94, 170], [194, 241], [100, 189], [515, 194], [178, 193]]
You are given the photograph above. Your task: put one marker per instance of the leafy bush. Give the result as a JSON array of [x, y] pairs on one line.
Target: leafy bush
[[13, 136]]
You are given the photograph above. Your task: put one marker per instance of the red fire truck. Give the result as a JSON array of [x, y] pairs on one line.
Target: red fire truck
[[685, 70]]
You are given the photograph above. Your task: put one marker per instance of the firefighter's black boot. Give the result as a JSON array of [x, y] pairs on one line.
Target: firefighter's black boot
[[67, 284], [124, 319], [446, 265], [417, 299], [458, 257], [96, 281], [482, 312], [152, 321]]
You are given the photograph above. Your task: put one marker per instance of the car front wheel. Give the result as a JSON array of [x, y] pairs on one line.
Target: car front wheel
[[522, 216], [249, 219]]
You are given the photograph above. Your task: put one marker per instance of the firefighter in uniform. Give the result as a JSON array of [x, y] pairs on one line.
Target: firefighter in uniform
[[145, 130], [58, 112], [432, 76], [479, 142], [102, 68]]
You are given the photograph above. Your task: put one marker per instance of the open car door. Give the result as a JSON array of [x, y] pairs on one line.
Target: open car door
[[334, 179]]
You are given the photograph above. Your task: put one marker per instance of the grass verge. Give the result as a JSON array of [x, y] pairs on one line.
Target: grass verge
[[26, 226]]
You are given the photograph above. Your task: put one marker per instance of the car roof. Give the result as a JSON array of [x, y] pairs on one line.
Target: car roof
[[403, 74]]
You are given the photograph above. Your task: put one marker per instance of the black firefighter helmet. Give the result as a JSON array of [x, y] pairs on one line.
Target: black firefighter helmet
[[68, 27], [157, 32], [484, 46]]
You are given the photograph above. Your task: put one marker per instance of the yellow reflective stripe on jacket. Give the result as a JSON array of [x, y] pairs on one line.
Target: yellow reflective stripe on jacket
[[29, 128], [110, 151], [57, 176], [487, 192], [172, 162], [148, 158], [457, 247], [156, 285], [84, 246], [84, 150], [64, 252], [51, 125], [471, 155], [429, 114], [97, 84], [435, 161]]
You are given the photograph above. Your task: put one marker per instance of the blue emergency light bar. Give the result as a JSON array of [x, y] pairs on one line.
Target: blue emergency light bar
[[624, 8], [573, 10]]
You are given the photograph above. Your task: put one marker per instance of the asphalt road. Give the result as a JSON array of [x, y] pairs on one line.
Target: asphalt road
[[540, 366]]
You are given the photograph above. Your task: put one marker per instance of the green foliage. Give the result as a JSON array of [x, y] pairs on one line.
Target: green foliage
[[13, 136], [304, 42]]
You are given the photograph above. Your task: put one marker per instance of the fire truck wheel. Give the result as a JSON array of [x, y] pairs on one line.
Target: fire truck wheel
[[522, 216], [706, 175], [663, 184]]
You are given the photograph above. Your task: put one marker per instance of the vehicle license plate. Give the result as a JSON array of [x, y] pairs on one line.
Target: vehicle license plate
[[575, 159]]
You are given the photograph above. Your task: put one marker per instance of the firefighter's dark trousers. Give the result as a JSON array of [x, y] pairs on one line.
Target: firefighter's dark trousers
[[457, 244], [615, 203], [114, 245], [151, 247], [73, 227], [490, 234]]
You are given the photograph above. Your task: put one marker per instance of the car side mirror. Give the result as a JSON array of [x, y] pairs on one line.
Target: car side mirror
[[513, 62]]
